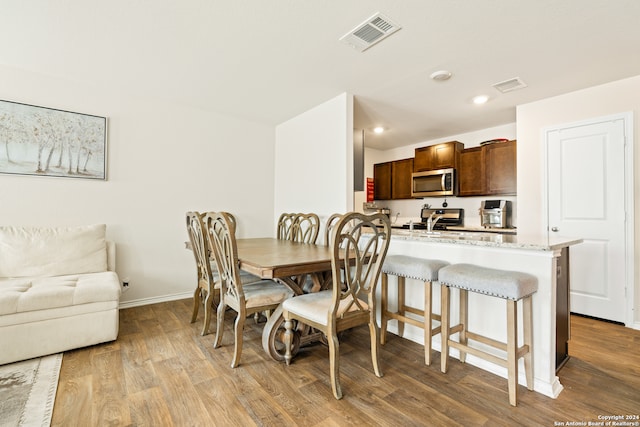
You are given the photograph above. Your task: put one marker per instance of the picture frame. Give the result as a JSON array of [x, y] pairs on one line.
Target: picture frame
[[44, 141]]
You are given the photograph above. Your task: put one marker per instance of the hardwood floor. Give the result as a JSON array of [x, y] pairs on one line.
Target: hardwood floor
[[161, 372]]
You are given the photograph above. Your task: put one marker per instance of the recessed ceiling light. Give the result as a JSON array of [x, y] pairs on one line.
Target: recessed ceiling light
[[480, 99], [441, 75], [378, 129]]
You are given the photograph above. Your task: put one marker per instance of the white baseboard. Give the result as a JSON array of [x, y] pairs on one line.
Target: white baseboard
[[155, 300]]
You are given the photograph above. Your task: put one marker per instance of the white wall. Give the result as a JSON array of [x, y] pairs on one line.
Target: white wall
[[410, 209], [314, 160], [163, 160], [612, 98]]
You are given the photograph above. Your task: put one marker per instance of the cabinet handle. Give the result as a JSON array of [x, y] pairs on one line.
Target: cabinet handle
[[554, 228]]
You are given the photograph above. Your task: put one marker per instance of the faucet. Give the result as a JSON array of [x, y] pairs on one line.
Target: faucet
[[432, 220]]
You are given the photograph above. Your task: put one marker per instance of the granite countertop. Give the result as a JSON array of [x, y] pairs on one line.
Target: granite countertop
[[483, 230], [511, 241]]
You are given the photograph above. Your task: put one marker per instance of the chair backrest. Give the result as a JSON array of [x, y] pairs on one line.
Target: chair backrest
[[306, 228], [221, 230], [359, 247], [299, 227], [199, 245], [285, 226], [331, 222]]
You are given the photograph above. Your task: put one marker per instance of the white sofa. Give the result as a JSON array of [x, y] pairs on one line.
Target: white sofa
[[58, 290]]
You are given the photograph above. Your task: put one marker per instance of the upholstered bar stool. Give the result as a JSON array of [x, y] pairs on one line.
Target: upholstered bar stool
[[512, 286], [425, 270]]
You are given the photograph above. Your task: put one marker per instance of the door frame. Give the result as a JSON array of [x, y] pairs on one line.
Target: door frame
[[627, 118]]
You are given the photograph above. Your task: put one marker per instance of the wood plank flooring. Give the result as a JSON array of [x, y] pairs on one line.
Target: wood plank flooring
[[161, 372]]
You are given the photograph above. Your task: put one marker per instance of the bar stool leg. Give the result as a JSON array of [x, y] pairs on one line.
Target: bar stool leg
[[444, 328], [401, 305], [464, 321], [427, 322], [512, 350], [527, 321], [384, 282]]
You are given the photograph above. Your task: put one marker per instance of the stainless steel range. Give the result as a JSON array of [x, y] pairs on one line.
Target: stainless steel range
[[440, 219]]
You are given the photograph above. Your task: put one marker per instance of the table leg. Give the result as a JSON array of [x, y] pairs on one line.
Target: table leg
[[273, 336], [273, 332]]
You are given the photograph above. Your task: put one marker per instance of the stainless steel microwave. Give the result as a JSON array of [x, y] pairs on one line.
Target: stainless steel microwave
[[440, 182]]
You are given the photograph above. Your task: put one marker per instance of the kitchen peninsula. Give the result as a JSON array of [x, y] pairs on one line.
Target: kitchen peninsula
[[547, 259]]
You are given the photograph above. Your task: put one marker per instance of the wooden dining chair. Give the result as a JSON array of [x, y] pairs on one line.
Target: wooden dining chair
[[313, 286], [331, 222], [306, 227], [208, 287], [285, 225], [244, 299], [299, 227], [207, 292], [356, 261]]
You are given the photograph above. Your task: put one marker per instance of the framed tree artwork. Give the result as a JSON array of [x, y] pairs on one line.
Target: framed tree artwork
[[49, 142]]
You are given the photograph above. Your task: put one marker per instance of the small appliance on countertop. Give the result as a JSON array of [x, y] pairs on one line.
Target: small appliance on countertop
[[495, 214], [369, 207]]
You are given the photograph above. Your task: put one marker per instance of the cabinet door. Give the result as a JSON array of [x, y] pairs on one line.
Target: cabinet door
[[446, 155], [471, 172], [401, 171], [422, 160], [382, 181], [440, 156], [501, 168]]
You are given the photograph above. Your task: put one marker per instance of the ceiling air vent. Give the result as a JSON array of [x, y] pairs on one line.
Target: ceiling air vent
[[510, 85], [370, 32]]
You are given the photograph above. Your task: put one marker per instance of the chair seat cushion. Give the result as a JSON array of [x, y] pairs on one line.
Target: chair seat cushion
[[245, 276], [412, 267], [513, 285], [265, 292], [316, 306]]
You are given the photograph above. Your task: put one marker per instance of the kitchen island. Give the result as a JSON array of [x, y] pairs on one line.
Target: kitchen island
[[547, 259]]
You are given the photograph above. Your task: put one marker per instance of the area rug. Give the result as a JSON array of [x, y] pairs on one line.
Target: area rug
[[27, 391]]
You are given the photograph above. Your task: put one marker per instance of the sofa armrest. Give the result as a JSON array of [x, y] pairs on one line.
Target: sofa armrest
[[111, 255]]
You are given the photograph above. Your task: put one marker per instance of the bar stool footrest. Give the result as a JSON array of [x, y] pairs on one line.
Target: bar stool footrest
[[522, 350]]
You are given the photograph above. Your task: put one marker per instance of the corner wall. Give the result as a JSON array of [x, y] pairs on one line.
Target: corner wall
[[314, 160], [163, 160]]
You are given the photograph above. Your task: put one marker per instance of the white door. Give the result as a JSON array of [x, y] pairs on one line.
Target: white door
[[586, 198]]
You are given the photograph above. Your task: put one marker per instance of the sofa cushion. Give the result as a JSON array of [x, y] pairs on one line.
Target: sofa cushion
[[52, 251], [19, 295]]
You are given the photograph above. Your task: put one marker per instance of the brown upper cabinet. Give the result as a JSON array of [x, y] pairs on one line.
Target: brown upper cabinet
[[401, 171], [488, 170], [471, 172], [438, 156], [392, 180], [501, 168], [382, 181]]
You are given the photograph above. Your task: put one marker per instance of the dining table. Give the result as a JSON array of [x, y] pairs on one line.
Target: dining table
[[290, 262], [303, 267]]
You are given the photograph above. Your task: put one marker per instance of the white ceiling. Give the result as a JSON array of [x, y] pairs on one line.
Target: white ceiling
[[268, 61]]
